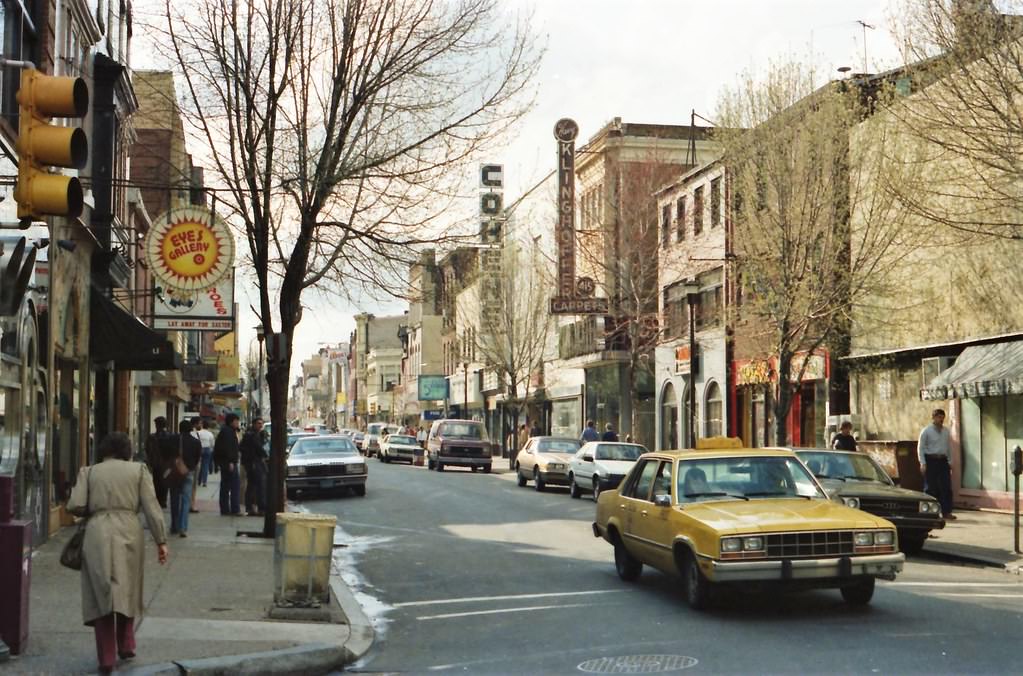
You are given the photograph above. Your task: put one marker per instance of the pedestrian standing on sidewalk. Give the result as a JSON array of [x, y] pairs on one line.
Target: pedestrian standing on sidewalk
[[225, 454], [113, 553], [181, 487], [935, 452], [196, 426], [590, 432], [421, 436], [253, 456], [609, 433], [844, 440], [155, 445], [206, 439]]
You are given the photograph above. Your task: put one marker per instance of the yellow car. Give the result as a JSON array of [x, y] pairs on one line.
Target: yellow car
[[740, 516]]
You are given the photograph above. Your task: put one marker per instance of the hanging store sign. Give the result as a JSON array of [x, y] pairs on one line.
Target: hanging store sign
[[189, 249], [753, 372], [683, 360], [210, 309]]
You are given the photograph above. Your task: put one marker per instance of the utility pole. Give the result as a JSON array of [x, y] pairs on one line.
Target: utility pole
[[865, 26]]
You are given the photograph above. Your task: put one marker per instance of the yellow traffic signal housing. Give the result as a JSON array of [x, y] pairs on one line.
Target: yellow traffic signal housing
[[41, 145]]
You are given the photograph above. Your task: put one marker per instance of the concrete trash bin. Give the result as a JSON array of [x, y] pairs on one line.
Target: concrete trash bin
[[303, 547]]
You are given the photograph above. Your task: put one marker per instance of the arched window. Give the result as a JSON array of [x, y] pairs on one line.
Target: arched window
[[669, 418], [713, 410]]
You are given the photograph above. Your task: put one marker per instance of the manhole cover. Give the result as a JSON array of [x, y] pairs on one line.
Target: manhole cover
[[637, 664]]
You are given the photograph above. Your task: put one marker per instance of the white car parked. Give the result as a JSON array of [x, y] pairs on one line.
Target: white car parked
[[600, 465], [399, 447]]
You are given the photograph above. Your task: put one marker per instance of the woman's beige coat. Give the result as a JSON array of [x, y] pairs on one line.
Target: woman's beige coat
[[114, 548]]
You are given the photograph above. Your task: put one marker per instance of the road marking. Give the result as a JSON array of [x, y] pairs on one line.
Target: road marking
[[980, 596], [498, 611], [952, 584], [478, 599]]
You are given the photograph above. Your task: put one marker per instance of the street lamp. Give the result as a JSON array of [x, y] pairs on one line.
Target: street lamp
[[259, 377], [465, 390], [692, 291]]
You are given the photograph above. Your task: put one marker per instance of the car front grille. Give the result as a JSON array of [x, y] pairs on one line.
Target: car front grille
[[888, 506], [811, 544], [463, 451], [324, 470]]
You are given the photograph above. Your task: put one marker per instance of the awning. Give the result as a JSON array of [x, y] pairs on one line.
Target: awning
[[980, 371], [117, 336]]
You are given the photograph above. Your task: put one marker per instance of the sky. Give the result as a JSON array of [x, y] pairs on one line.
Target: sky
[[650, 61]]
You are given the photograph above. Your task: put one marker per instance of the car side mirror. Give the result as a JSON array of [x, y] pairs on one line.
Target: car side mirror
[[587, 458], [662, 500]]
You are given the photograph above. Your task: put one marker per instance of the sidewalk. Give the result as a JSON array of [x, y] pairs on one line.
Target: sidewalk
[[983, 537], [206, 610]]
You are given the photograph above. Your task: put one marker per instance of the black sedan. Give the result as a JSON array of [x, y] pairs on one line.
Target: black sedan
[[854, 479]]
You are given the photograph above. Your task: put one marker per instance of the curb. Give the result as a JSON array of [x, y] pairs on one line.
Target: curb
[[312, 658], [953, 554]]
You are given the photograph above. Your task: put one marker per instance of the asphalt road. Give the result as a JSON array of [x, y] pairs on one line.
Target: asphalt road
[[470, 573]]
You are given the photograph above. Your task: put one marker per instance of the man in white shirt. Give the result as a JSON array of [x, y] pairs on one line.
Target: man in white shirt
[[935, 452], [207, 440]]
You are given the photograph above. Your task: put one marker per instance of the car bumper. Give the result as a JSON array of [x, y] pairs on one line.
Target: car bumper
[[324, 482], [914, 522], [557, 477], [875, 565], [400, 455], [465, 461], [607, 483]]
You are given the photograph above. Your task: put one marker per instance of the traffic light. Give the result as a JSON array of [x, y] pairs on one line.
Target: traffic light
[[17, 270], [42, 145]]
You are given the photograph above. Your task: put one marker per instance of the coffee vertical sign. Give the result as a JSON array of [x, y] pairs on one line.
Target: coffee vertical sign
[[565, 131]]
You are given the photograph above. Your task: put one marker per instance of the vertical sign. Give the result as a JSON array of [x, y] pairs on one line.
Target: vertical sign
[[492, 217], [565, 132]]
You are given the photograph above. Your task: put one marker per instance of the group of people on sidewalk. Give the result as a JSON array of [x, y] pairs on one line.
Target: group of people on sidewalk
[[243, 467]]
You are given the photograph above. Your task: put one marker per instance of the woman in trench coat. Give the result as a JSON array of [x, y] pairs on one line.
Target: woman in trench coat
[[113, 552]]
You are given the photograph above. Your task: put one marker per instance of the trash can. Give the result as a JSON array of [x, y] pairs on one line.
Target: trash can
[[302, 556], [418, 455]]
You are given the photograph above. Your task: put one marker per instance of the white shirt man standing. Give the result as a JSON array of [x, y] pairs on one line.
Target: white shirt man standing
[[935, 452]]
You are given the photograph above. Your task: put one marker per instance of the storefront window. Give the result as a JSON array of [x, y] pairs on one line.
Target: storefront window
[[714, 410], [603, 395], [565, 420], [669, 418], [990, 428]]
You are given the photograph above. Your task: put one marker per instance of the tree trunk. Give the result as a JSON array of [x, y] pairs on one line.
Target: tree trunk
[[279, 372], [784, 401]]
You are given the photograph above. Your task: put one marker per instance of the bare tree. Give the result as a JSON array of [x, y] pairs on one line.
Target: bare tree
[[338, 131], [817, 227], [515, 326]]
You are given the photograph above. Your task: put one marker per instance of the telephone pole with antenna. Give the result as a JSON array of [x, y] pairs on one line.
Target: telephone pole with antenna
[[865, 26]]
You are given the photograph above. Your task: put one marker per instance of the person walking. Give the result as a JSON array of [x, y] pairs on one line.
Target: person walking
[[523, 436], [156, 445], [935, 453], [196, 426], [113, 553], [844, 440], [253, 457], [206, 440], [609, 433], [181, 486], [225, 454], [535, 431], [421, 436], [590, 432]]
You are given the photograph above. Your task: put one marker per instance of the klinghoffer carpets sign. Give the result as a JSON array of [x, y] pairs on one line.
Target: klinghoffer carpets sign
[[189, 249], [209, 309], [432, 388]]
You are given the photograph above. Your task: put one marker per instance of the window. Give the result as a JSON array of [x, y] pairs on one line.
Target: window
[[675, 310], [715, 202], [713, 411], [665, 225], [709, 311], [698, 211], [19, 43], [644, 480], [680, 219]]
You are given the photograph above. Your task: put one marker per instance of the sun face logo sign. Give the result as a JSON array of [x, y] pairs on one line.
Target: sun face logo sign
[[189, 249]]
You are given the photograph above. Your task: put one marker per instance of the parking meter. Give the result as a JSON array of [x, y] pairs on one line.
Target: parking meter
[[1017, 469], [1017, 460]]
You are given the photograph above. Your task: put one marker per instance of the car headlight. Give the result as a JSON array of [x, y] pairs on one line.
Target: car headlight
[[357, 469], [884, 538], [863, 539], [929, 507], [731, 545], [296, 471], [753, 544], [851, 502]]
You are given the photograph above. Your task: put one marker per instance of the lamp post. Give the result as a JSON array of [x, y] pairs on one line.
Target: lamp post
[[465, 390], [692, 289], [259, 377]]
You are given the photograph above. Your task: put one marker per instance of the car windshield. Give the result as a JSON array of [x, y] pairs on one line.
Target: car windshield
[[844, 466], [618, 452], [744, 478], [335, 446], [559, 445], [292, 438], [401, 439], [462, 430]]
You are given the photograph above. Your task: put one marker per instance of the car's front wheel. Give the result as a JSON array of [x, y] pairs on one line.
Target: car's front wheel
[[440, 466], [859, 593], [538, 482], [698, 587], [596, 488], [430, 464], [486, 469], [521, 479], [573, 487], [360, 490], [627, 565], [912, 543]]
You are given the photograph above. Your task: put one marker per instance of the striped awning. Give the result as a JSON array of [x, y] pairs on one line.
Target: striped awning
[[980, 371]]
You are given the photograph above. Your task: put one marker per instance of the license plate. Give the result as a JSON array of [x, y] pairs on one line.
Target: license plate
[[327, 483]]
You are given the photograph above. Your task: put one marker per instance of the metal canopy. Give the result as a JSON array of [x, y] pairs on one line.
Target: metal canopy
[[980, 371]]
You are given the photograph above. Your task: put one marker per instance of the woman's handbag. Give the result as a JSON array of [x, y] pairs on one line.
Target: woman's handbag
[[178, 470], [72, 554]]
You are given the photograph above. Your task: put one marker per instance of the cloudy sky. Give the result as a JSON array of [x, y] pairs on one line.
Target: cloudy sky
[[646, 61]]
